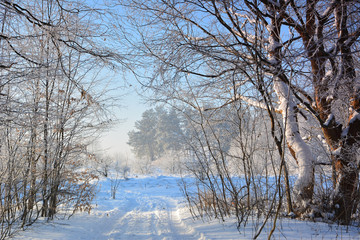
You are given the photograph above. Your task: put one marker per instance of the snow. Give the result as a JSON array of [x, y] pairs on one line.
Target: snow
[[328, 9], [328, 120], [344, 132], [154, 208], [303, 152], [355, 117], [337, 151], [271, 48], [313, 104], [251, 102]]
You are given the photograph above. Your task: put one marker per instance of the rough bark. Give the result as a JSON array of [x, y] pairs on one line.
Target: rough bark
[[342, 140]]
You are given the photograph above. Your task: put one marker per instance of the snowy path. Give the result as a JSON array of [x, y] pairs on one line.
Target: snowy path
[[153, 208], [144, 209], [150, 218]]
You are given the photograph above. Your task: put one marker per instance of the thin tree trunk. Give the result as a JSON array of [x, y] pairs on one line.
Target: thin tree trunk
[[287, 189]]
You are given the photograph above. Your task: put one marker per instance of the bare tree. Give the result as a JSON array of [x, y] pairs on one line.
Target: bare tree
[[297, 58], [52, 106]]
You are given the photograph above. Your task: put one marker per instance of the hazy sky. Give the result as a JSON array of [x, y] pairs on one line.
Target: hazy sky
[[114, 141]]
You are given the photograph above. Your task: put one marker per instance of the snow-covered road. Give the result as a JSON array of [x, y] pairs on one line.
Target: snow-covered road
[[153, 208], [144, 208], [149, 217]]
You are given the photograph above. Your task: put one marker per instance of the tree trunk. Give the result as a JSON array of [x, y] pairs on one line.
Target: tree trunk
[[304, 186], [347, 171], [53, 201], [343, 141], [344, 201]]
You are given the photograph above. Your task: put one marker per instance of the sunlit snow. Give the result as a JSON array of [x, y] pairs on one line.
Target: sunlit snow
[[154, 208]]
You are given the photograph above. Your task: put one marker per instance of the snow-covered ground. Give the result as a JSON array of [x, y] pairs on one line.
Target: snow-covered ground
[[153, 208]]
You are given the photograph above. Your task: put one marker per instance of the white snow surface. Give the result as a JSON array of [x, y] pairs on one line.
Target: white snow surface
[[329, 119], [154, 208]]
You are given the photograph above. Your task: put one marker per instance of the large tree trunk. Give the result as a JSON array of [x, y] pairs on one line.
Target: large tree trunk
[[343, 141], [345, 197], [304, 186], [327, 88], [346, 169]]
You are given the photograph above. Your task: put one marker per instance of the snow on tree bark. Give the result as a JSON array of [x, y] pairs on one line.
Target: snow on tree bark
[[304, 185]]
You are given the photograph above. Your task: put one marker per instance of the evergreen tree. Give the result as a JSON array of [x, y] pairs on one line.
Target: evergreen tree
[[157, 132]]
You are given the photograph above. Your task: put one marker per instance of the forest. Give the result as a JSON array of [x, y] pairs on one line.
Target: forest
[[258, 100]]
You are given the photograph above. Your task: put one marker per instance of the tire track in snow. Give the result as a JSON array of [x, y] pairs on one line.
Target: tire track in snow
[[153, 217], [144, 209]]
